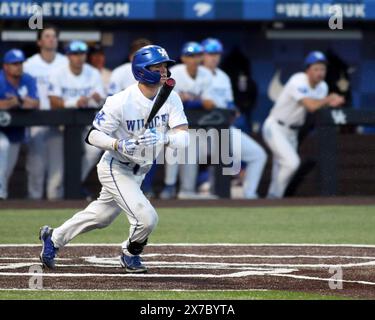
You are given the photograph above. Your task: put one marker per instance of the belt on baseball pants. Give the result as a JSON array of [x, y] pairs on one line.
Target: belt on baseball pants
[[282, 123], [133, 166]]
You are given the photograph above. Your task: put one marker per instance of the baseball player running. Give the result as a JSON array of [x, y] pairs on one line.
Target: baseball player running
[[192, 81], [304, 92], [45, 147], [78, 85], [119, 130], [220, 95]]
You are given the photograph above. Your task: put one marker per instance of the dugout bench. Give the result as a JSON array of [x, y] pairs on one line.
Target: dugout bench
[[74, 120]]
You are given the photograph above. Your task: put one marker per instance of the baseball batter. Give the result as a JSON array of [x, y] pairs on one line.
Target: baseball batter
[[44, 160], [304, 92], [220, 95], [192, 81], [78, 85], [129, 152], [122, 76]]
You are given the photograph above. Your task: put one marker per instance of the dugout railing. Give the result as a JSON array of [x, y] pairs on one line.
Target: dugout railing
[[76, 119]]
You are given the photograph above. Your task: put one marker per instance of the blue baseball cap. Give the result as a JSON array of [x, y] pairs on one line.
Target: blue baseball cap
[[314, 57], [76, 46], [211, 45], [14, 56], [191, 48]]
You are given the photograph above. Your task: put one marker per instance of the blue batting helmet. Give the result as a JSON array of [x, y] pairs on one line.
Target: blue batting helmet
[[211, 45], [191, 48], [146, 57], [314, 57]]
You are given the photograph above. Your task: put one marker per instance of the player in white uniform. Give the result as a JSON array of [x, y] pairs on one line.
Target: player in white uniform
[[116, 129], [304, 92], [97, 59], [122, 76], [78, 85], [192, 81], [44, 160], [220, 95]]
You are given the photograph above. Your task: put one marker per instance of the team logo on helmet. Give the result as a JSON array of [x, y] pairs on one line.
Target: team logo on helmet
[[162, 52]]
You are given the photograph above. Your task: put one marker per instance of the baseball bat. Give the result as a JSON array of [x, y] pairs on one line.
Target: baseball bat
[[163, 95]]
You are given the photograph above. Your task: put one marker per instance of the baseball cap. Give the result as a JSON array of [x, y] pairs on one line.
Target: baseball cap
[[211, 45], [76, 46], [96, 48], [314, 57], [13, 56], [191, 48]]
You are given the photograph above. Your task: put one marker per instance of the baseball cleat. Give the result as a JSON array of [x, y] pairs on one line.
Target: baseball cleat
[[132, 264], [48, 253]]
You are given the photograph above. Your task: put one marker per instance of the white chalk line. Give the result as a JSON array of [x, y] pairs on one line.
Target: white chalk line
[[112, 261], [208, 256], [204, 245], [323, 279], [280, 272], [133, 290], [128, 275], [151, 255], [277, 273]]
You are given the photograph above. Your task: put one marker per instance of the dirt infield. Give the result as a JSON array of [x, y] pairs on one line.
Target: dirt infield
[[311, 201], [307, 268]]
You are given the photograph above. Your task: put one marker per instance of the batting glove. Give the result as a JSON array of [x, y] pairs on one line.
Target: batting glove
[[152, 137], [126, 146]]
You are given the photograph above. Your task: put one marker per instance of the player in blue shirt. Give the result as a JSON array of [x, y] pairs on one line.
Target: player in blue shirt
[[17, 91]]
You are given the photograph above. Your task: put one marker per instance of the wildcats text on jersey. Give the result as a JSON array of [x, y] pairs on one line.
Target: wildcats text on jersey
[[138, 124]]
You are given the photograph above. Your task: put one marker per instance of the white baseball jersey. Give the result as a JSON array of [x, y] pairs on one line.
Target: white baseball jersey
[[220, 90], [288, 107], [124, 114], [40, 69], [197, 86], [121, 78], [70, 87]]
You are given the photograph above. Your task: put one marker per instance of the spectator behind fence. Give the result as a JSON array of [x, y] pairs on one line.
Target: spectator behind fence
[[304, 92], [44, 161], [192, 81], [122, 76], [78, 85], [97, 59], [17, 91], [220, 95]]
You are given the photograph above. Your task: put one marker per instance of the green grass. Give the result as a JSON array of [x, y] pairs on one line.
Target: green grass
[[164, 295], [329, 224]]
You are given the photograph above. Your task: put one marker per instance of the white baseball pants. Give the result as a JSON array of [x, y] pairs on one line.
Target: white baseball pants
[[8, 158], [255, 158], [45, 161], [120, 192], [283, 143]]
